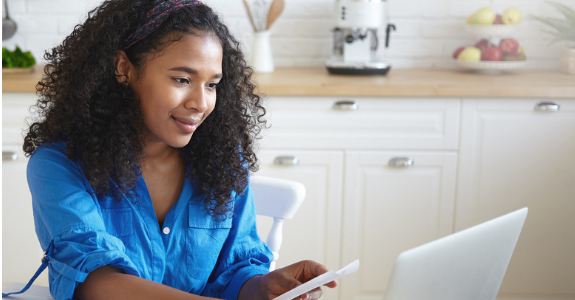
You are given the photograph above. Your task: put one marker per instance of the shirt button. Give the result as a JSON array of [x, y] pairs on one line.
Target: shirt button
[[166, 230]]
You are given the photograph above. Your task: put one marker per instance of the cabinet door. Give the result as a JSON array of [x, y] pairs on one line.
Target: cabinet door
[[314, 232], [391, 209], [21, 251], [513, 156], [16, 112]]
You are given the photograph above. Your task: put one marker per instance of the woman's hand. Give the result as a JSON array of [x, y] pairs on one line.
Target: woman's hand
[[282, 280]]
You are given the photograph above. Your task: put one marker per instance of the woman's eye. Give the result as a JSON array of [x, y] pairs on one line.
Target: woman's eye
[[213, 85], [182, 80]]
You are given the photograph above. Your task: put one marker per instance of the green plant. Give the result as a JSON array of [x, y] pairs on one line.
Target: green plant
[[562, 29], [17, 58]]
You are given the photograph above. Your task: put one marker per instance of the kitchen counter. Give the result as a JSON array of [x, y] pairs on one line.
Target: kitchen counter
[[397, 83], [418, 82]]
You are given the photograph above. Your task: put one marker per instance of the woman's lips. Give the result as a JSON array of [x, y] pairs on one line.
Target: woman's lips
[[188, 125]]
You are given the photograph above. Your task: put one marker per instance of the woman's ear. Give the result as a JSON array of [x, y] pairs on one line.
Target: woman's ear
[[123, 67]]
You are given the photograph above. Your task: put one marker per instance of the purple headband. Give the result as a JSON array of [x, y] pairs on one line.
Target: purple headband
[[154, 19]]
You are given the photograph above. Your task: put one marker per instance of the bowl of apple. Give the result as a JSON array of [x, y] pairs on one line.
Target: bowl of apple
[[485, 55], [485, 22]]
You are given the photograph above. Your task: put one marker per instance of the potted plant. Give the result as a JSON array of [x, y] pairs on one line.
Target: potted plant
[[562, 30]]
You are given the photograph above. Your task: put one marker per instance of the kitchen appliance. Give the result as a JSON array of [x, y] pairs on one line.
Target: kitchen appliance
[[355, 39]]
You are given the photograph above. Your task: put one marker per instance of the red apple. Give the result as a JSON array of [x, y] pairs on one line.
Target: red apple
[[509, 46], [491, 54], [482, 44], [456, 53], [498, 20]]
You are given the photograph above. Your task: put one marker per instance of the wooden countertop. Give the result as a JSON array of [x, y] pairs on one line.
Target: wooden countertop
[[418, 82], [397, 83]]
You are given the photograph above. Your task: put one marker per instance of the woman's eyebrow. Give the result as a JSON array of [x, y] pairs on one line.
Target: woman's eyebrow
[[192, 71]]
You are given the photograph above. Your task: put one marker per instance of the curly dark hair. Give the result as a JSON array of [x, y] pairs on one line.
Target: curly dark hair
[[82, 104]]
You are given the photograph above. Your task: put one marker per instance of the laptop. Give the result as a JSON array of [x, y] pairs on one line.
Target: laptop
[[469, 264]]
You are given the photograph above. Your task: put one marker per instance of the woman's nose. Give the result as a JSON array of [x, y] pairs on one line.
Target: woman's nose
[[197, 100]]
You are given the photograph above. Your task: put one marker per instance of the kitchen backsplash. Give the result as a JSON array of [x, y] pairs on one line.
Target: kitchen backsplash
[[428, 31]]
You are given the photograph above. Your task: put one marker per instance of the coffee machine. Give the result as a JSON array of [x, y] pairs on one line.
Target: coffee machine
[[355, 40]]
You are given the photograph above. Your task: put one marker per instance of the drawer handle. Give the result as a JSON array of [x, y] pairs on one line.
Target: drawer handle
[[345, 105], [547, 106], [286, 160], [400, 162], [9, 155]]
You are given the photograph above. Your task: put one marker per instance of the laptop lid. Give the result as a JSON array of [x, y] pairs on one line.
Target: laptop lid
[[469, 264]]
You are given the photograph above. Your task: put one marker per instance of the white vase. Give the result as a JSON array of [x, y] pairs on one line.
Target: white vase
[[568, 60], [262, 60]]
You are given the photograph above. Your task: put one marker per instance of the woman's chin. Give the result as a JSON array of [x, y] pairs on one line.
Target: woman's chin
[[180, 143]]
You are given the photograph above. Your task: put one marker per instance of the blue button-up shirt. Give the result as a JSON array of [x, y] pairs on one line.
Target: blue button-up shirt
[[192, 252]]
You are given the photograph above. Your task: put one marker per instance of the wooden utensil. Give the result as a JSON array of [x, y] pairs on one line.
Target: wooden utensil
[[246, 5], [276, 9]]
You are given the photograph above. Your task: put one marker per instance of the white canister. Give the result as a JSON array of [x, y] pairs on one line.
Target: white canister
[[262, 60]]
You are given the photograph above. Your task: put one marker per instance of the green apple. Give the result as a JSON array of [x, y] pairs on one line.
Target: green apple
[[470, 54], [511, 16], [484, 16]]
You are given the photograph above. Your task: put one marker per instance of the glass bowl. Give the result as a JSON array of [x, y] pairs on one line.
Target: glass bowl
[[490, 66]]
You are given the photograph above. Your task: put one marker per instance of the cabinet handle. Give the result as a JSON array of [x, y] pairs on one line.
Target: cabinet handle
[[286, 160], [547, 106], [9, 155], [400, 162], [345, 105]]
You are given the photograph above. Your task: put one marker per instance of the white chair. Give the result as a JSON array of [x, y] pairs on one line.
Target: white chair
[[279, 199]]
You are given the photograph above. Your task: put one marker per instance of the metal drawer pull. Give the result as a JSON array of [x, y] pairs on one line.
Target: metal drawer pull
[[547, 106], [345, 105], [286, 160], [401, 162], [9, 155]]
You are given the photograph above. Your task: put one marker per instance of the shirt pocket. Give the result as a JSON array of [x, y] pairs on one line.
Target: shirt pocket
[[118, 221], [205, 239]]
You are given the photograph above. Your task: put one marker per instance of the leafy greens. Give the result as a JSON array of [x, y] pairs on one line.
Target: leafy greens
[[17, 58]]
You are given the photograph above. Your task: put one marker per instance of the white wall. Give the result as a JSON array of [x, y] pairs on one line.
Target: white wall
[[428, 31]]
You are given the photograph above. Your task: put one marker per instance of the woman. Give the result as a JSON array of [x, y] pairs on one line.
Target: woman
[[140, 160]]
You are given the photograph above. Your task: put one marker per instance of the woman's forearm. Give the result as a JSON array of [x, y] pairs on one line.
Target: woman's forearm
[[108, 283], [252, 290]]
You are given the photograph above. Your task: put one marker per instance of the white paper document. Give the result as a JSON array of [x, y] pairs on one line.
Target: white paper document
[[319, 281], [34, 293]]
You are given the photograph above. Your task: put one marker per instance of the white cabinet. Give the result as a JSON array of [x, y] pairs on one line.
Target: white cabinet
[[21, 251], [362, 123], [512, 156], [500, 155], [385, 210], [305, 235], [16, 109], [389, 209], [313, 233], [473, 160]]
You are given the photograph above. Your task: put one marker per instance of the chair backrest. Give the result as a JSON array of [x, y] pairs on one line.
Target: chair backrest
[[279, 199]]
